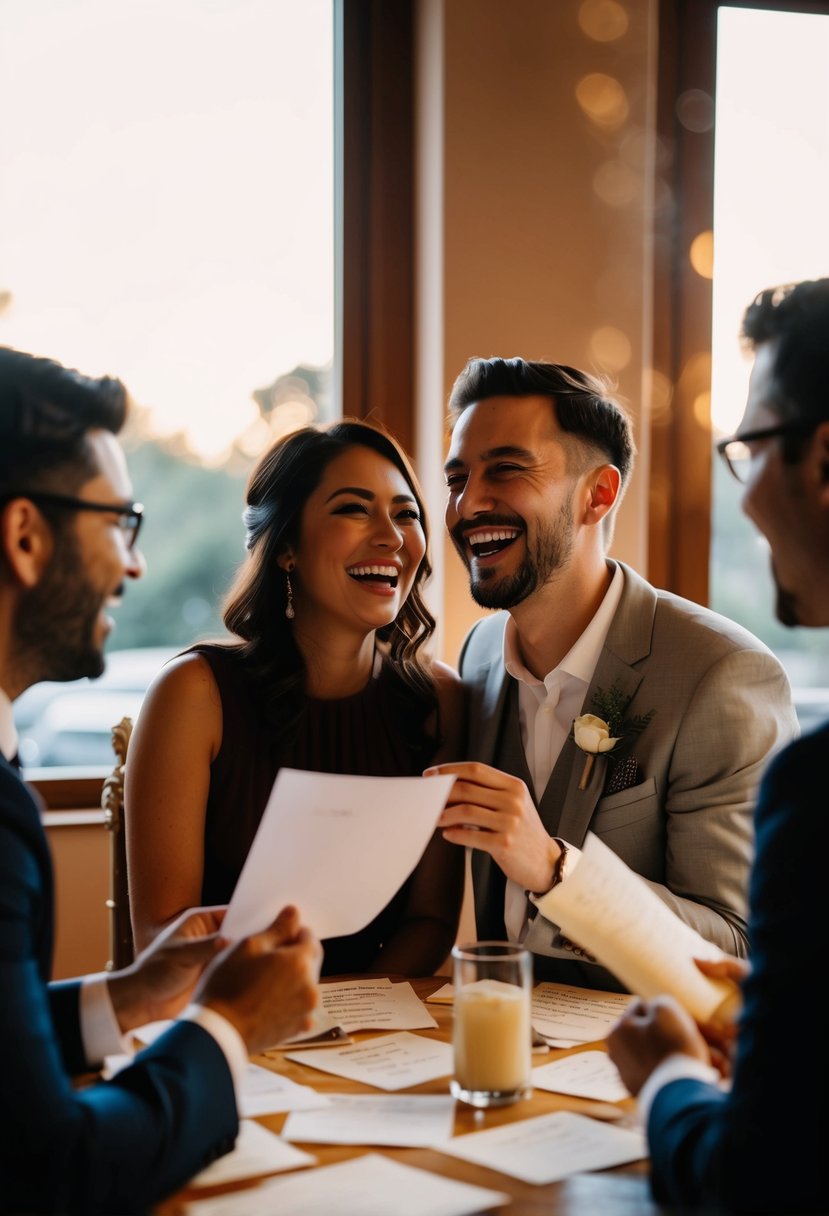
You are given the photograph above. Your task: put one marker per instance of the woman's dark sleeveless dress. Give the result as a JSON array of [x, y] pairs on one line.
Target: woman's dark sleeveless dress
[[378, 732]]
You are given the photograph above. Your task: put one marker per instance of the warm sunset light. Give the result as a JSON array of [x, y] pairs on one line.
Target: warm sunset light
[[771, 175], [167, 208]]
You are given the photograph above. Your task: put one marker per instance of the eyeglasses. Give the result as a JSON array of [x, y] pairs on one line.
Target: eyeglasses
[[735, 451], [129, 516]]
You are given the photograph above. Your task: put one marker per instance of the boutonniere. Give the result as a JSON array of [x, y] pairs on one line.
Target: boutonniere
[[596, 735]]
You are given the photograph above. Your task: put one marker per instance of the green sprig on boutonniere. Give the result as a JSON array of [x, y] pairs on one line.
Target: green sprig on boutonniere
[[596, 735]]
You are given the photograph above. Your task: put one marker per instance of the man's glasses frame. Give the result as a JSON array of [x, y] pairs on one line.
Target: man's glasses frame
[[129, 515], [734, 448]]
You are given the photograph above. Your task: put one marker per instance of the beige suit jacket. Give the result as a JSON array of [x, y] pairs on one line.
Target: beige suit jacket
[[721, 707]]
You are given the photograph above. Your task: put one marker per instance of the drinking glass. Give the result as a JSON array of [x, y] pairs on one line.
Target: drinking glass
[[492, 1033]]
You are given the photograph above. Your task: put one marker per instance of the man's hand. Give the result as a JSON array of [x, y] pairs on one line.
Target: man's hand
[[493, 811], [647, 1033], [266, 985], [160, 982], [721, 1037]]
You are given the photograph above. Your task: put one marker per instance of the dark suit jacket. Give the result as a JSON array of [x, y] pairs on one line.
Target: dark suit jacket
[[762, 1147], [721, 704], [113, 1147]]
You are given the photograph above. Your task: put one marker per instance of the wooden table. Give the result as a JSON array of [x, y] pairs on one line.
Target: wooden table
[[616, 1192]]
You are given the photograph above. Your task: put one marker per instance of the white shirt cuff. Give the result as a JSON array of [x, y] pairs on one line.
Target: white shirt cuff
[[673, 1068], [100, 1033], [227, 1037], [540, 901]]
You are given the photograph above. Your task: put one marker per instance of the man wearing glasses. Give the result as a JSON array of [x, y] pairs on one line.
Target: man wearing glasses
[[68, 530], [758, 1146]]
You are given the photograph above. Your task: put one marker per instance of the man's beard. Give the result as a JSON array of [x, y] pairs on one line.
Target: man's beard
[[552, 552], [786, 606], [54, 627]]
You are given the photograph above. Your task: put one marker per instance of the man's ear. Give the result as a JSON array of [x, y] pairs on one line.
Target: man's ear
[[818, 463], [603, 490], [26, 541]]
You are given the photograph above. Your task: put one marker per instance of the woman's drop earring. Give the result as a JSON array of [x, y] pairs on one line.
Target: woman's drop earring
[[289, 606]]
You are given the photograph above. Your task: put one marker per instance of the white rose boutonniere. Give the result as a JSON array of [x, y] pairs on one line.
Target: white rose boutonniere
[[593, 736]]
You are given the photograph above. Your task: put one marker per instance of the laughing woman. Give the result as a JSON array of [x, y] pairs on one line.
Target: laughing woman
[[325, 672]]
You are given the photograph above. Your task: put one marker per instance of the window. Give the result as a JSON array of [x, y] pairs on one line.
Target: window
[[167, 216], [771, 181]]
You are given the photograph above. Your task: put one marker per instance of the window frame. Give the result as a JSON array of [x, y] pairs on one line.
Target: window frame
[[680, 507], [374, 209]]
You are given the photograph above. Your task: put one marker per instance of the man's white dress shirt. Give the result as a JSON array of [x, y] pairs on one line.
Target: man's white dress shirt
[[100, 1032], [546, 710]]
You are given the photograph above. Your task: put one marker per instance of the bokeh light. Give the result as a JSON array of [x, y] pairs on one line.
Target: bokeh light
[[701, 254], [602, 99], [610, 348], [603, 20]]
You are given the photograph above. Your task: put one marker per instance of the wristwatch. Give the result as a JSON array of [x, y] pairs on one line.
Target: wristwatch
[[564, 863], [562, 867]]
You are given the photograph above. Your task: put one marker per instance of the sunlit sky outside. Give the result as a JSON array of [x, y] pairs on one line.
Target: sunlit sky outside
[[771, 175], [166, 212]]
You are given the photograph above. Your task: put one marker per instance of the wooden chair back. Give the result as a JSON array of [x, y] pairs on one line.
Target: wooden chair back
[[121, 951]]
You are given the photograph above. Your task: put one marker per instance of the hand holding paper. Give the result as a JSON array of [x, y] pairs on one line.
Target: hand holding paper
[[613, 913], [339, 847]]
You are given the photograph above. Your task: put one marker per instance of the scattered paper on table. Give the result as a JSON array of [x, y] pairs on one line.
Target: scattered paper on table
[[339, 847], [575, 1015], [263, 1092], [324, 1031], [404, 1121], [257, 1151], [393, 1061], [375, 1004], [587, 1074], [549, 1147], [445, 995], [371, 1185]]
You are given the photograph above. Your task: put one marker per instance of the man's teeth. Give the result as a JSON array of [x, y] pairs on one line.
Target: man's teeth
[[491, 540], [481, 538]]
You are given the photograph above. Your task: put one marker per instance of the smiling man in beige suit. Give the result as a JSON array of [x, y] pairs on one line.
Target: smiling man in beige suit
[[538, 462]]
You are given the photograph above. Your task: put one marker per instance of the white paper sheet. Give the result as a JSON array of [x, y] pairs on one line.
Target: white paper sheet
[[587, 1074], [398, 1120], [371, 1185], [391, 1062], [257, 1151], [264, 1092], [323, 1032], [338, 847], [549, 1147], [612, 912], [445, 995], [375, 1004], [577, 1015]]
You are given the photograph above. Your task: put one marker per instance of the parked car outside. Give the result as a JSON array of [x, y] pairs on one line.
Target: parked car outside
[[71, 723]]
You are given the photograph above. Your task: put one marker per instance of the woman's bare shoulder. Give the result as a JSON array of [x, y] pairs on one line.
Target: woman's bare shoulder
[[185, 681], [446, 678], [451, 709]]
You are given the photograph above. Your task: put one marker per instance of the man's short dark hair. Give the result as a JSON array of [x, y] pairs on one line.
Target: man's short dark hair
[[583, 406], [796, 317], [46, 411]]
